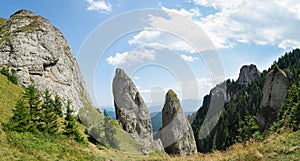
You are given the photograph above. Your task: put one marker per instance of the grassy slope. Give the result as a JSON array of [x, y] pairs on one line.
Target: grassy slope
[[284, 147], [91, 117], [26, 146], [9, 94]]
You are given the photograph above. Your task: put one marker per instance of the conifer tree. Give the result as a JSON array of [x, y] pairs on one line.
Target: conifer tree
[[32, 97], [71, 128], [49, 118], [20, 119], [248, 129], [58, 106], [289, 114]]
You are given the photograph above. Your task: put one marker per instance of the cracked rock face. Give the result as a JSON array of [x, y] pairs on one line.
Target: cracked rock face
[[248, 73], [131, 111], [274, 93], [40, 54], [176, 134]]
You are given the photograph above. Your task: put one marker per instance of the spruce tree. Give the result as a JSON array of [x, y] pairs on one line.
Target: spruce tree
[[71, 128], [32, 97], [248, 129], [58, 106], [20, 119], [49, 118]]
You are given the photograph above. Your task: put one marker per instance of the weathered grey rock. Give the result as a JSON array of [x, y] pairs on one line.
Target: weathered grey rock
[[176, 134], [41, 55], [144, 151], [274, 93], [131, 111], [248, 73]]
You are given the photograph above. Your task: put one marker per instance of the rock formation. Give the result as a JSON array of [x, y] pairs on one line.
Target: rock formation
[[248, 73], [131, 111], [274, 92], [41, 55], [176, 134]]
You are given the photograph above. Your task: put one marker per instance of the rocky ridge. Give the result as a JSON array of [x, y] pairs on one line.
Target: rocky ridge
[[39, 53], [248, 73]]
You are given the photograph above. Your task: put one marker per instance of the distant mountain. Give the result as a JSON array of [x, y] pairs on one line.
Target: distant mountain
[[111, 114], [110, 111], [189, 106], [156, 119]]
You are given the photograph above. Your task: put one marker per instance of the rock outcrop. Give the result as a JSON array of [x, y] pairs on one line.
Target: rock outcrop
[[248, 73], [41, 55], [131, 111], [176, 134], [274, 92]]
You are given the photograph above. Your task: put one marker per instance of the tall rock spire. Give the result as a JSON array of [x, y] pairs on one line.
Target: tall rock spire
[[176, 134], [131, 111]]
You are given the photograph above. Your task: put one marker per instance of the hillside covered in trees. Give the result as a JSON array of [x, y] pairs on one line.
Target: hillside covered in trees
[[239, 119]]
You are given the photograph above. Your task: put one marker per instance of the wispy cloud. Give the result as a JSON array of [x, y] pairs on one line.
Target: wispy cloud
[[260, 22], [196, 90], [188, 58], [130, 57], [145, 36], [217, 4], [99, 5], [191, 13], [154, 37]]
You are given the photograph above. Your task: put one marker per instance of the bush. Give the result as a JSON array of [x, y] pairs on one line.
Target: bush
[[11, 75]]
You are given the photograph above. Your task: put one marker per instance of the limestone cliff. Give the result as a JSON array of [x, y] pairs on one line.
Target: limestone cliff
[[40, 54], [248, 73], [274, 92]]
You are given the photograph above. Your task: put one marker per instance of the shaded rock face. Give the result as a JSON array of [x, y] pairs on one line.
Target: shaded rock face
[[274, 94], [131, 111], [248, 73], [176, 134], [41, 55]]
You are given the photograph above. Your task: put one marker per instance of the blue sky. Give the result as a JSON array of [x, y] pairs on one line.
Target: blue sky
[[241, 32]]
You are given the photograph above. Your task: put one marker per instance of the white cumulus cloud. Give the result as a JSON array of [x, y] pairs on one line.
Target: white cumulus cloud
[[99, 5], [188, 58], [220, 4], [191, 13], [160, 38], [252, 21], [145, 36], [130, 57]]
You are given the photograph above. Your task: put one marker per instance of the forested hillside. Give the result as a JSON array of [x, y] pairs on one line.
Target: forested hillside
[[238, 121]]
